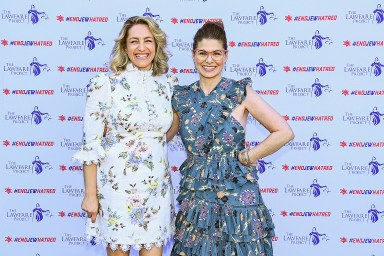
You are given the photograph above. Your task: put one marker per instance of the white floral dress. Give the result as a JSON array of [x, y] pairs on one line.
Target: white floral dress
[[133, 110]]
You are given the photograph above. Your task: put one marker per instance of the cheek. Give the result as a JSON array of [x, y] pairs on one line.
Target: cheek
[[129, 51]]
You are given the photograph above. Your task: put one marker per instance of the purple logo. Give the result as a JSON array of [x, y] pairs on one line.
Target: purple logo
[[317, 142], [39, 213], [376, 67], [316, 236], [374, 214], [90, 41], [317, 88], [376, 116], [374, 166], [318, 40], [38, 116], [34, 16], [36, 67], [261, 166], [316, 189], [379, 14], [149, 14], [38, 166], [261, 68], [263, 16]]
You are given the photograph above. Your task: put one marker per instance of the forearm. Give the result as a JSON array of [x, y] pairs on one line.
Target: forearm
[[270, 145], [90, 175], [174, 127]]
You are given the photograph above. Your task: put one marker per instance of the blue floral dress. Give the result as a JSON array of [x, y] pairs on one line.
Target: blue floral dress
[[221, 209], [135, 193]]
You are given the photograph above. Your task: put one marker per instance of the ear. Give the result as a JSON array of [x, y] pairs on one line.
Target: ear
[[226, 56]]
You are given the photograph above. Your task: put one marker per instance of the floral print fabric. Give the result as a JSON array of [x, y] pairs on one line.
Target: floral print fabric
[[221, 209], [133, 111]]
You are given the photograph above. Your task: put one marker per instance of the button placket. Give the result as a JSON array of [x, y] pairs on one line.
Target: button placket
[[147, 101]]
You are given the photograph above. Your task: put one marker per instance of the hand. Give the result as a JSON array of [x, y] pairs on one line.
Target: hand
[[244, 157], [90, 204]]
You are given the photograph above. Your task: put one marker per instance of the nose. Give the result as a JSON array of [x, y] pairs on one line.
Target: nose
[[209, 58], [141, 46]]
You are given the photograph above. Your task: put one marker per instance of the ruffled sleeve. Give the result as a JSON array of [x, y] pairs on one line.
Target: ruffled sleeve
[[239, 89], [96, 107], [180, 98]]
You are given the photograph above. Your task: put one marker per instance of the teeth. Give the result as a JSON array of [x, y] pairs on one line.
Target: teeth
[[208, 68], [141, 55]]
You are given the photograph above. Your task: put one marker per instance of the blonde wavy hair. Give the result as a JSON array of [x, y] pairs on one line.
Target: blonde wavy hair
[[120, 59]]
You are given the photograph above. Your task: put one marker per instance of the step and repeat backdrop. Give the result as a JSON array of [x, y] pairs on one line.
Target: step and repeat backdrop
[[319, 63]]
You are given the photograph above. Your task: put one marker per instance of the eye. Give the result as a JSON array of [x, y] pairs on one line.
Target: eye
[[149, 41], [217, 54], [133, 42], [202, 53]]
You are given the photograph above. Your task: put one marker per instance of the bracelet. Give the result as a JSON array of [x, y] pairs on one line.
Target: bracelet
[[244, 157]]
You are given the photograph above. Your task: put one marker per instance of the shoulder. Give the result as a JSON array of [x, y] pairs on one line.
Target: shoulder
[[181, 96], [101, 84], [98, 81], [182, 90], [238, 88], [243, 83]]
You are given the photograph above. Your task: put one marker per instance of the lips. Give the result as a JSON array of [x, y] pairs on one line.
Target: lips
[[142, 56], [209, 68]]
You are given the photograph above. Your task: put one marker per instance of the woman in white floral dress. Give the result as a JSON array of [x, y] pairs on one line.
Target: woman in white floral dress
[[128, 192]]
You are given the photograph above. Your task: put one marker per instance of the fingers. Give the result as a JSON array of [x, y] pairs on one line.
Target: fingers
[[93, 217]]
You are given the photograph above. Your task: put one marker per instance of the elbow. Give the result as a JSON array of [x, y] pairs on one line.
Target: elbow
[[289, 135]]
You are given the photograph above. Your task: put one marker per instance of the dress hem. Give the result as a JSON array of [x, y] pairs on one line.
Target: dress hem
[[126, 247]]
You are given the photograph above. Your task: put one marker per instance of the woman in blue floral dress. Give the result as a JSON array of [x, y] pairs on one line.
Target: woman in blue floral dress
[[221, 209], [128, 190]]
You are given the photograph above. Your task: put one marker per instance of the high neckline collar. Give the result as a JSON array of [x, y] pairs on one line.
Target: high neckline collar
[[131, 67]]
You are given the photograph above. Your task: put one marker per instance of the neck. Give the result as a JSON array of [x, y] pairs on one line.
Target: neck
[[208, 84]]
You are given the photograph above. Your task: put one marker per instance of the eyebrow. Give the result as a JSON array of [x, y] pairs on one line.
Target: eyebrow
[[148, 37], [217, 50]]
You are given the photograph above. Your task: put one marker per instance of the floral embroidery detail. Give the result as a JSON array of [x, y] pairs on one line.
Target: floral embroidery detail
[[234, 120], [152, 185], [200, 141], [257, 228], [196, 118], [184, 205], [179, 234], [161, 89], [229, 210], [228, 138], [137, 215], [224, 85], [248, 197], [108, 141], [113, 222], [134, 201], [203, 212], [216, 208]]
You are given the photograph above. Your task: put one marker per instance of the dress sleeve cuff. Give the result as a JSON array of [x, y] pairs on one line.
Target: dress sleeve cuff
[[89, 155]]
